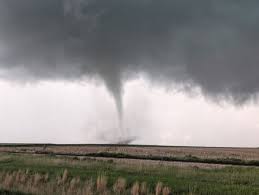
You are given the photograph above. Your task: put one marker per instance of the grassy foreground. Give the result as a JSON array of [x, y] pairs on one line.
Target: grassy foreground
[[43, 173]]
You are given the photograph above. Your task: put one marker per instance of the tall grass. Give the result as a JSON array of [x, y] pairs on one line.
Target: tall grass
[[119, 186], [159, 187], [101, 184], [47, 173], [135, 189], [36, 183]]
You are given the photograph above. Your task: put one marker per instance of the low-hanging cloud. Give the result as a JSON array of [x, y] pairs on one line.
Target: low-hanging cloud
[[206, 43]]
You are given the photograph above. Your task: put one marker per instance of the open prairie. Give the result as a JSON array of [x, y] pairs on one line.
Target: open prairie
[[217, 155], [118, 169]]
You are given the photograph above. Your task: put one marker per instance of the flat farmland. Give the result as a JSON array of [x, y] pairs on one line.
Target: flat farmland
[[127, 169], [217, 155]]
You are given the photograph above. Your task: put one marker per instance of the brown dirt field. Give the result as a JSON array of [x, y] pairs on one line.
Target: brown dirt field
[[152, 163], [201, 152]]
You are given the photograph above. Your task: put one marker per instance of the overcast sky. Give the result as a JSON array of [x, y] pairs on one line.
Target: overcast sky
[[69, 112], [175, 72]]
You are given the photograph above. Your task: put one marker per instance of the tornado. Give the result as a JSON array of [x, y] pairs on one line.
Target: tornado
[[212, 45]]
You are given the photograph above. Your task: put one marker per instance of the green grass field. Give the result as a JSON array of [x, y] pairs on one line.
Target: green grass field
[[182, 180]]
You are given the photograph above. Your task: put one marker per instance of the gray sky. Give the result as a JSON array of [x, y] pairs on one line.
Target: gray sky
[[203, 47], [69, 112]]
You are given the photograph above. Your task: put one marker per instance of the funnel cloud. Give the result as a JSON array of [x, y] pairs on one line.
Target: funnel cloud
[[210, 44]]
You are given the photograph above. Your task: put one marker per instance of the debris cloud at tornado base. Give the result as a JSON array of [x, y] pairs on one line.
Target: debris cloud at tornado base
[[208, 44]]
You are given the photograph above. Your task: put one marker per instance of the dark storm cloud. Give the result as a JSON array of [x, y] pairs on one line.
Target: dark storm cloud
[[213, 44]]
